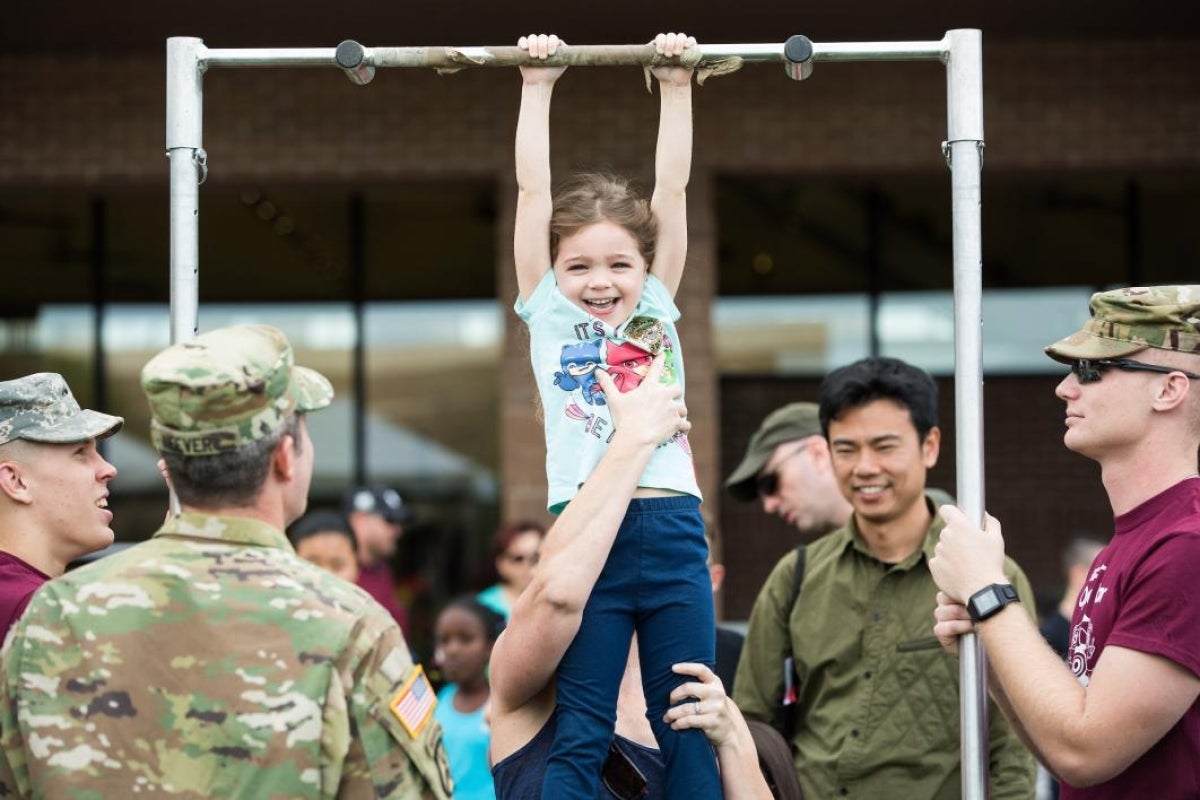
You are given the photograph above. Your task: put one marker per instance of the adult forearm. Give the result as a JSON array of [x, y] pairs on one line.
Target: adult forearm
[[741, 775], [1040, 697], [996, 691], [1012, 767]]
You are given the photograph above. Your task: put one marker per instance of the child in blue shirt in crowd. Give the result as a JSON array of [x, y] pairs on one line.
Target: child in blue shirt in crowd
[[597, 271], [464, 633]]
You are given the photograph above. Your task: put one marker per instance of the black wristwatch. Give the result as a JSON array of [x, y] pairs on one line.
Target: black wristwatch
[[991, 600]]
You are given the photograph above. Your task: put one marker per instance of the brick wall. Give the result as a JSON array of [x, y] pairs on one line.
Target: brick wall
[[1048, 105]]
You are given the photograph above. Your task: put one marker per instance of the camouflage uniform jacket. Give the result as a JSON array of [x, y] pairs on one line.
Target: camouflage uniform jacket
[[212, 662]]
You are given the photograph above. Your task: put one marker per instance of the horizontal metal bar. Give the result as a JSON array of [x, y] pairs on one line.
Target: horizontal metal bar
[[574, 55], [881, 51], [270, 57]]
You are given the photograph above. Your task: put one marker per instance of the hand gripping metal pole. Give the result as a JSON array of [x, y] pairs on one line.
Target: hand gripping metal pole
[[964, 152]]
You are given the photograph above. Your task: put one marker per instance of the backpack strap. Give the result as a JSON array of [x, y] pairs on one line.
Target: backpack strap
[[798, 578], [786, 718]]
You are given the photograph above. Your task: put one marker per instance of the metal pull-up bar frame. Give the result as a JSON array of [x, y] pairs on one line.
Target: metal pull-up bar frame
[[961, 52]]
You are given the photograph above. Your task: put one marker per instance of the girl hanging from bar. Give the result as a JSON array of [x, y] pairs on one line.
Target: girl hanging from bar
[[597, 271]]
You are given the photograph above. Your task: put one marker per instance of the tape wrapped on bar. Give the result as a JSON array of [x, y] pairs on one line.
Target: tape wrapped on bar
[[704, 70]]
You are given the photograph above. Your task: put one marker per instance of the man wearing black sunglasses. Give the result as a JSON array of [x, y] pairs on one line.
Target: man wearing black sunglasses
[[787, 468], [872, 700], [1122, 719], [548, 613]]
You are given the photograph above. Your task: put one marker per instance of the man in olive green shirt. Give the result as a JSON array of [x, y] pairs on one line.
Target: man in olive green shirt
[[877, 700]]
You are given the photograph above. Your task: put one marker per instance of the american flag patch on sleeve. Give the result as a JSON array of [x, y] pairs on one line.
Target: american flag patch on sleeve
[[413, 705]]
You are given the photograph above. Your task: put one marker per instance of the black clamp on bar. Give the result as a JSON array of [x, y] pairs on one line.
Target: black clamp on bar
[[798, 57], [350, 56]]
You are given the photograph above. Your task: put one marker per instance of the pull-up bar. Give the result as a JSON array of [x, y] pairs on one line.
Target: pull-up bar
[[961, 52], [360, 62]]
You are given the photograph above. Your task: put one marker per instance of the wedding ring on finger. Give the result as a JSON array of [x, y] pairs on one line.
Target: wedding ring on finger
[[698, 712]]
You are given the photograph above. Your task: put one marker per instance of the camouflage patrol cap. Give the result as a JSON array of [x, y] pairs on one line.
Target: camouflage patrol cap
[[227, 388], [1125, 321], [787, 424], [41, 408]]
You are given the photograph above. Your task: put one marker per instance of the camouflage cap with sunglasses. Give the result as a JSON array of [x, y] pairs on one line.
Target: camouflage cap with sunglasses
[[1126, 321], [227, 388], [41, 408], [787, 424]]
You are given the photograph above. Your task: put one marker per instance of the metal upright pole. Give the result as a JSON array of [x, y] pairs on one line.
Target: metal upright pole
[[964, 152], [185, 114]]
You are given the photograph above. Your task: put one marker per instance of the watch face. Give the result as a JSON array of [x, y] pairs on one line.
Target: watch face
[[986, 602]]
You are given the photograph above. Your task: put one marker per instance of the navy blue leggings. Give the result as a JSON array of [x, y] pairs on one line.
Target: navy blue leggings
[[655, 582]]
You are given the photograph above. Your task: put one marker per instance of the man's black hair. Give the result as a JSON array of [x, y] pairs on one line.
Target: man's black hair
[[870, 379]]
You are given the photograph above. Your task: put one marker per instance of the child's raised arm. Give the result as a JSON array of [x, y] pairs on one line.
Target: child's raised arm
[[531, 234], [672, 162]]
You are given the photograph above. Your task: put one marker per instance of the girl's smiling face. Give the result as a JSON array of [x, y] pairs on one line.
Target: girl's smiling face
[[600, 268]]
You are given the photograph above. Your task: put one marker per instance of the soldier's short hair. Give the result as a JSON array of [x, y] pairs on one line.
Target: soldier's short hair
[[231, 478]]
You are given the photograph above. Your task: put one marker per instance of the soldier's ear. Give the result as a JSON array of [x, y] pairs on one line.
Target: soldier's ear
[[283, 460], [12, 482]]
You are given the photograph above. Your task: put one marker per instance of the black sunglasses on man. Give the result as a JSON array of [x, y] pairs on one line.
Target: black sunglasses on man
[[1090, 370]]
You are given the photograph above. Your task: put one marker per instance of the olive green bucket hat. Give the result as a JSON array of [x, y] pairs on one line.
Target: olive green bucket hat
[[787, 424]]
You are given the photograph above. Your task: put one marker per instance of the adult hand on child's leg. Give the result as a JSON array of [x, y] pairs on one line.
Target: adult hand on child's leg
[[707, 707]]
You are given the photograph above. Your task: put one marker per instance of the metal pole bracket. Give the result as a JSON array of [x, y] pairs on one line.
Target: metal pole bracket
[[200, 158], [948, 154]]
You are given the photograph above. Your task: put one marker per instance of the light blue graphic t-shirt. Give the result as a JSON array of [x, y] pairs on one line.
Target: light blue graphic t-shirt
[[567, 345]]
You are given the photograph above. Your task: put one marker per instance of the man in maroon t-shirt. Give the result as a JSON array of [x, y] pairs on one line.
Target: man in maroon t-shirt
[[53, 486], [377, 514], [1121, 719]]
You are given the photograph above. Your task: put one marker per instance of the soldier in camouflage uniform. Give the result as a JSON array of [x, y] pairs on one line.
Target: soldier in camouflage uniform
[[1122, 718], [211, 661], [53, 486]]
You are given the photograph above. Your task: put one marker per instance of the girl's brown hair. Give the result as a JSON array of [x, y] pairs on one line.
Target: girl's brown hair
[[590, 197]]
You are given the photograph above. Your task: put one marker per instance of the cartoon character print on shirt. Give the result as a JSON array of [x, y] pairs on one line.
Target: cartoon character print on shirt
[[628, 358], [1083, 641], [1082, 647], [627, 362], [579, 363]]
